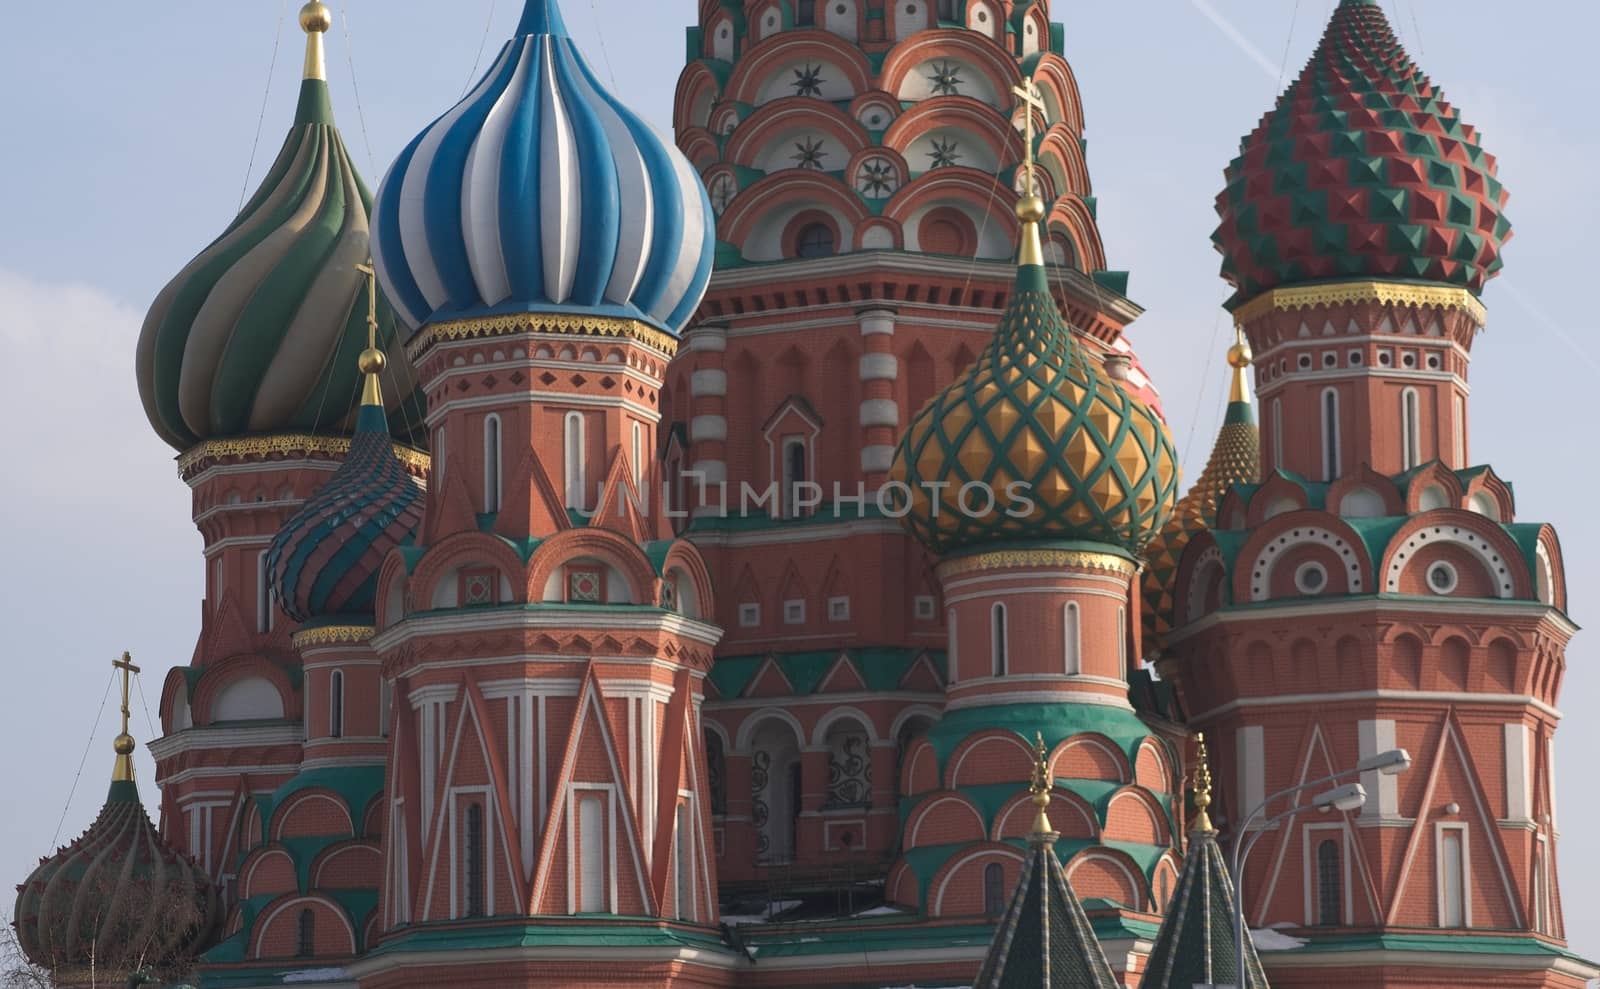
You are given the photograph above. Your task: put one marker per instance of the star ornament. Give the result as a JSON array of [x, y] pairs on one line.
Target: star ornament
[[946, 152], [877, 179], [808, 154], [808, 81], [946, 79]]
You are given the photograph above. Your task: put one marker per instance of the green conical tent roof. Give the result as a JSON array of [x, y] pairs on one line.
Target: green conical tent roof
[[1044, 940], [1197, 944]]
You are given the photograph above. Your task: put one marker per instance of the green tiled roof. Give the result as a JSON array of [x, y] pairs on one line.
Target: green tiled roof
[[1197, 944], [1044, 938]]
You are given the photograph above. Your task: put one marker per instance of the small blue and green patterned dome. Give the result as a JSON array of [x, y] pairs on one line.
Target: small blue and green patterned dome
[[1068, 454], [541, 193], [324, 562], [259, 333]]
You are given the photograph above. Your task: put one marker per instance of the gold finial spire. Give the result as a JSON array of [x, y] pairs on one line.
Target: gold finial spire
[[122, 771], [1202, 785], [1240, 356], [315, 20], [1040, 788], [372, 359], [1030, 207]]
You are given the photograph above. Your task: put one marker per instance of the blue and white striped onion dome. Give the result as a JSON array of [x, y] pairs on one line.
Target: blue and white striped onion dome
[[541, 192]]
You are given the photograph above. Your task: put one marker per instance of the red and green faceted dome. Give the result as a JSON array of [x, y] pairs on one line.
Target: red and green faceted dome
[[1362, 170]]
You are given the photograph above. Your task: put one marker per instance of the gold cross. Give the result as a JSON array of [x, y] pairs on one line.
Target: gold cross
[[1028, 100], [125, 664], [372, 303]]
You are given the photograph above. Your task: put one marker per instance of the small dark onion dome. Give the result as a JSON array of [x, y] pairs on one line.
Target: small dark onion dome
[[324, 561], [258, 333], [1362, 170], [118, 897]]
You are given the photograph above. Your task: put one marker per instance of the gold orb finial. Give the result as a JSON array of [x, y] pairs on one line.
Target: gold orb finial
[[1030, 209], [1240, 357], [1040, 786], [373, 361], [123, 745], [316, 18]]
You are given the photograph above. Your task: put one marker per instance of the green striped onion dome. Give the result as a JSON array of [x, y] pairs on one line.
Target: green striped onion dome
[[118, 897], [324, 561], [1037, 419], [1362, 170], [259, 334]]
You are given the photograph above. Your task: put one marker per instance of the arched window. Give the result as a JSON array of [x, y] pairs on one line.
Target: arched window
[[999, 636], [491, 464], [438, 452], [336, 704], [950, 645], [994, 889], [1460, 432], [716, 773], [805, 13], [305, 944], [1122, 641], [574, 457], [1277, 432], [815, 240], [474, 860], [1330, 885], [1073, 639], [794, 475], [265, 600], [1410, 430], [1452, 877], [1330, 435]]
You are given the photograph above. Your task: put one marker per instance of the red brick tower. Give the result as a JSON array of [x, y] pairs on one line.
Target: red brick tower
[[546, 636], [1374, 591]]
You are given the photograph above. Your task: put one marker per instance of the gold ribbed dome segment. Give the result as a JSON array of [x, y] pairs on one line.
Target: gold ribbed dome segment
[[1065, 452]]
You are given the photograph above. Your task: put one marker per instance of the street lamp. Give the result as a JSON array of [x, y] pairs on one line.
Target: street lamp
[[1345, 798]]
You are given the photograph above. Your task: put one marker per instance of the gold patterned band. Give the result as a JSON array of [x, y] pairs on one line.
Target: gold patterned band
[[1341, 293], [286, 445], [333, 635], [1009, 559], [556, 323]]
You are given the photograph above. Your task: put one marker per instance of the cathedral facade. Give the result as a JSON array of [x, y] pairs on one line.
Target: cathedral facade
[[760, 559]]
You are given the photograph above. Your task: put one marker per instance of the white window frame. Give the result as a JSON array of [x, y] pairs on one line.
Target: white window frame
[[638, 453], [574, 440], [1072, 638], [1122, 642], [336, 704], [1331, 437], [922, 607], [1311, 837], [493, 472], [999, 641], [1277, 432], [1459, 431], [265, 598], [1410, 428], [794, 611], [749, 615], [839, 609], [1440, 830]]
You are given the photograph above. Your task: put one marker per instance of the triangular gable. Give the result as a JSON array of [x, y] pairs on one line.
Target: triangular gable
[[620, 502], [536, 510], [478, 708], [922, 676], [769, 681], [590, 726], [842, 678], [453, 511]]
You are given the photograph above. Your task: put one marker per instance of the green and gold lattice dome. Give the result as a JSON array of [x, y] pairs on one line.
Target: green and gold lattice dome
[[1036, 418]]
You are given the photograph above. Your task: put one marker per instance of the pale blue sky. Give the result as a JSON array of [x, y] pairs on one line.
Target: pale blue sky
[[129, 129]]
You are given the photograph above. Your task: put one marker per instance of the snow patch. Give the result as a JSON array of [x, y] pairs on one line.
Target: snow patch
[[1271, 940], [316, 975]]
